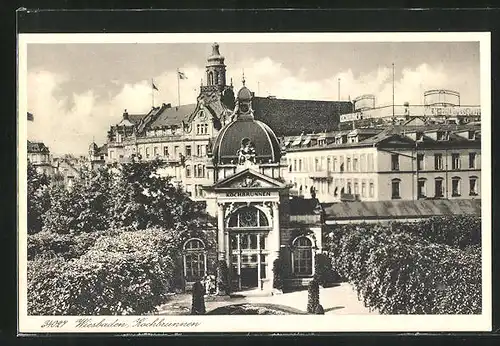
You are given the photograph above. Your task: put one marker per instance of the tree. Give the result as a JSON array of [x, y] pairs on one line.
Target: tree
[[38, 198], [313, 305], [198, 305]]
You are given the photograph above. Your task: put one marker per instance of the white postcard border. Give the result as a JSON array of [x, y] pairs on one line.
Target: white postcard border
[[288, 324]]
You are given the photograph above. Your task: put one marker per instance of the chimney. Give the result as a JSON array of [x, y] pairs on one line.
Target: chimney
[[125, 115]]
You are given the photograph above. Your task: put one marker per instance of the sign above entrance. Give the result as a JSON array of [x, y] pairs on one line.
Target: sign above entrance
[[248, 194]]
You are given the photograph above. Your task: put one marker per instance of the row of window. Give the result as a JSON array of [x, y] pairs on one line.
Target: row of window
[[195, 171], [338, 187], [201, 151], [438, 161], [456, 187], [195, 256], [362, 162]]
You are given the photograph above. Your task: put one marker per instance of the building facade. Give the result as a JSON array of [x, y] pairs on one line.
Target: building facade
[[39, 156], [410, 162]]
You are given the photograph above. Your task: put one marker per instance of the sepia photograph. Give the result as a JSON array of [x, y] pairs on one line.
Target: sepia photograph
[[168, 181]]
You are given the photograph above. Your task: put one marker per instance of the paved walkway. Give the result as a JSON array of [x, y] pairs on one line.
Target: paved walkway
[[339, 300]]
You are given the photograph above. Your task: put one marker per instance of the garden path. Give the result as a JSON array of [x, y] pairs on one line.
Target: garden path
[[337, 300]]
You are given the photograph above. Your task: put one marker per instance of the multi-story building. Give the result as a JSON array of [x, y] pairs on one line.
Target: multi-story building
[[410, 161], [183, 135], [39, 157]]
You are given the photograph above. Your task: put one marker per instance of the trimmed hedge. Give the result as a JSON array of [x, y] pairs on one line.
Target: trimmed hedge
[[396, 272], [458, 230], [119, 275]]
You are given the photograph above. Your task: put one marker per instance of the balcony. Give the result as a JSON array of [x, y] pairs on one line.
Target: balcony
[[320, 175]]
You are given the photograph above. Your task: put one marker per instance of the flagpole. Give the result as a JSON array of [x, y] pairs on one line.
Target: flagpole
[[152, 94], [393, 112], [178, 89]]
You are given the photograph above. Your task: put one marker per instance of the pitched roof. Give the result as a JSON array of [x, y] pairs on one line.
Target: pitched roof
[[135, 118], [169, 116], [401, 209], [291, 117], [37, 147]]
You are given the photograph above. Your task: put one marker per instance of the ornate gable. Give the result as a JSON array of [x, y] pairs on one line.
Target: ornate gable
[[248, 179]]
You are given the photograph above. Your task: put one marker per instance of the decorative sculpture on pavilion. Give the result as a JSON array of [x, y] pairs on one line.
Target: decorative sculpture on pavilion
[[247, 152]]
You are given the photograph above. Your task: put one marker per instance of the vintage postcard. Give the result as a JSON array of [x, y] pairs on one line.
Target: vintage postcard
[[299, 182]]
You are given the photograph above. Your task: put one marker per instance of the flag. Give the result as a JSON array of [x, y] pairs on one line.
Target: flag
[[30, 117], [181, 75], [154, 86]]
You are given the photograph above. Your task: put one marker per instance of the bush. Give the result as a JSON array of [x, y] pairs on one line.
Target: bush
[[198, 305], [279, 273], [323, 270], [117, 276], [222, 278], [399, 273], [457, 230], [313, 305]]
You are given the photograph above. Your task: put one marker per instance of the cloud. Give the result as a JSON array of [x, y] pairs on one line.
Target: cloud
[[70, 129]]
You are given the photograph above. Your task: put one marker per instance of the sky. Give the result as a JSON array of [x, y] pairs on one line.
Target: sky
[[77, 91]]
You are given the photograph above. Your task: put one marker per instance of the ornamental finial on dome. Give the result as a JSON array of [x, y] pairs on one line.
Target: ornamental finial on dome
[[243, 78], [215, 49]]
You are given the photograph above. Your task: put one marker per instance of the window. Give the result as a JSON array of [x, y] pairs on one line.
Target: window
[[395, 189], [188, 150], [372, 189], [363, 189], [176, 150], [147, 152], [355, 164], [295, 165], [442, 136], [188, 171], [420, 162], [349, 187], [111, 154], [472, 160], [155, 151], [348, 164], [248, 217], [455, 161], [316, 164], [395, 162], [198, 129], [472, 135], [328, 163], [438, 162], [300, 165], [194, 260], [455, 186], [199, 151], [362, 163], [200, 171], [302, 256], [165, 151], [356, 188], [473, 190], [334, 168], [421, 188], [438, 187]]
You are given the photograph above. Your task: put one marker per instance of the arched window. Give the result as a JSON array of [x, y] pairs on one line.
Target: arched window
[[455, 187], [438, 187], [248, 217], [210, 78], [195, 260], [302, 256], [395, 188]]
